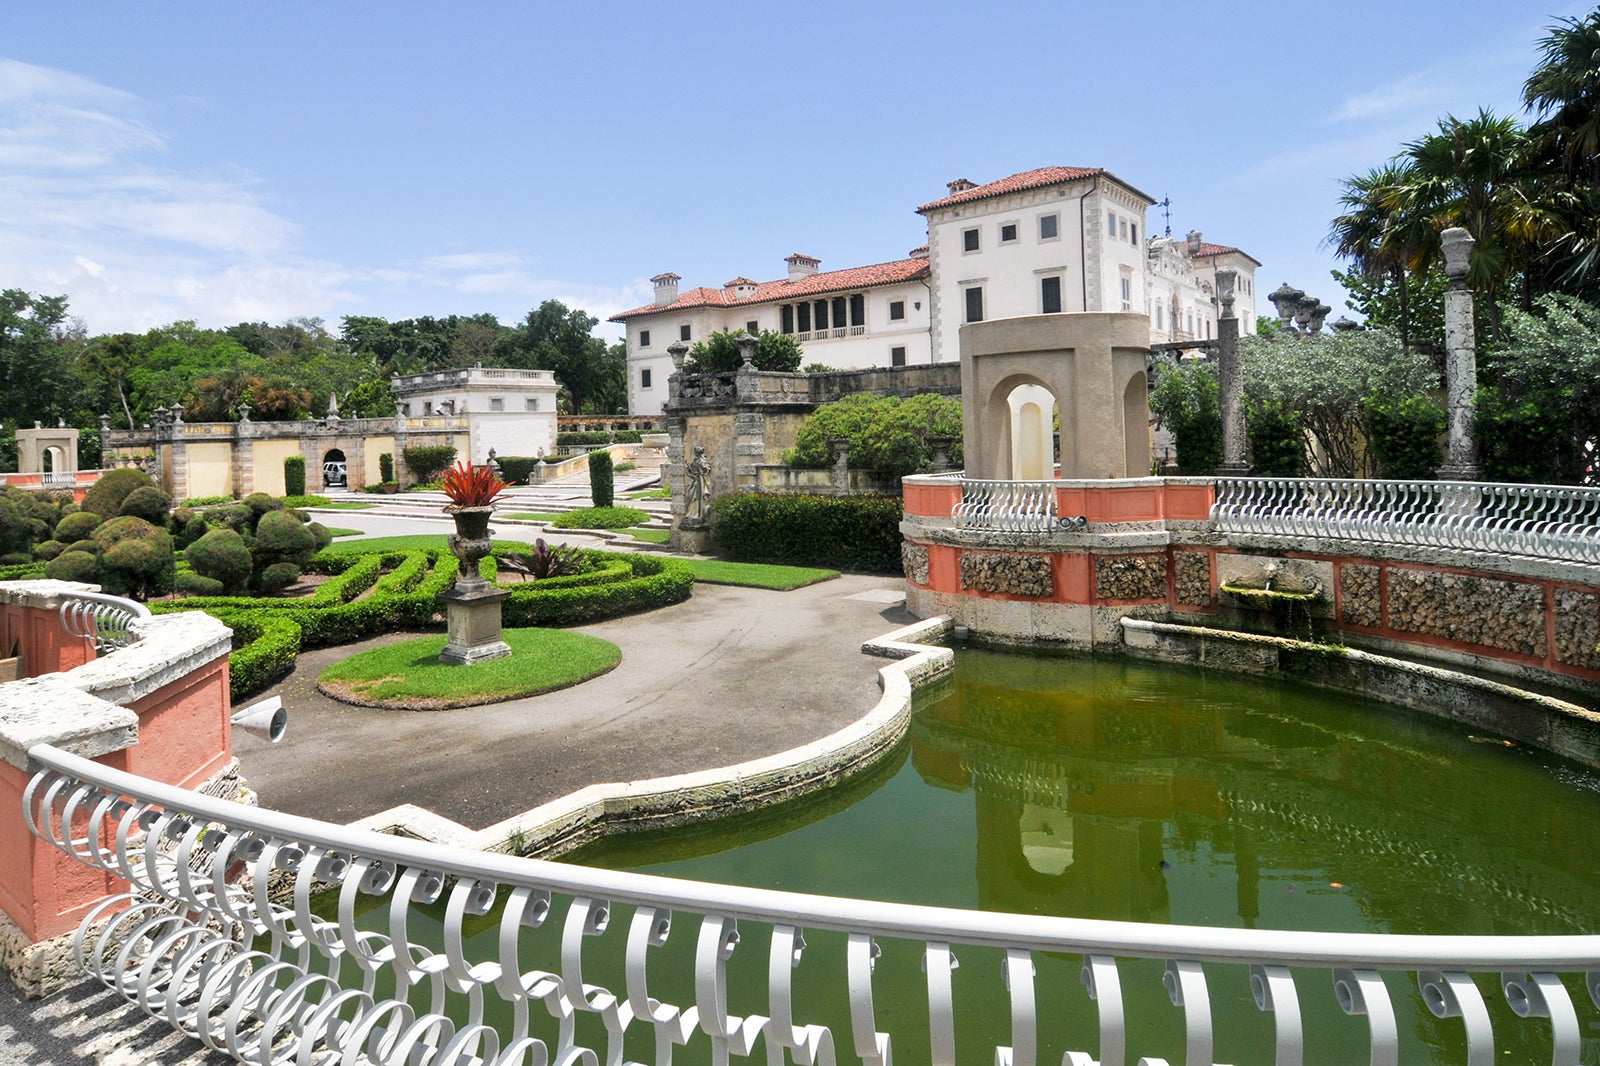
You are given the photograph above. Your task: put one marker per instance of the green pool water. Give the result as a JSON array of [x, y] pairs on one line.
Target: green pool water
[[1108, 788]]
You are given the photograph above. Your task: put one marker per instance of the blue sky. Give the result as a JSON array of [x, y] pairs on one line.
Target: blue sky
[[223, 162]]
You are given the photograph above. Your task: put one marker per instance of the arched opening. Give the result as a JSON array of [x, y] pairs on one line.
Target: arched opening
[[50, 461], [334, 473], [1033, 415], [1136, 427]]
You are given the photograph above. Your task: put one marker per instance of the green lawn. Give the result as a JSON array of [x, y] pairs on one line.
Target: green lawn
[[530, 516], [347, 505], [654, 536], [340, 531], [392, 544], [757, 575], [409, 675], [663, 493]]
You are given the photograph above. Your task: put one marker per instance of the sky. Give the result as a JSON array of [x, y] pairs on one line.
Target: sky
[[227, 162]]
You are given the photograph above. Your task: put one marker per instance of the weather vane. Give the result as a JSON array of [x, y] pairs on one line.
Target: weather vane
[[1166, 213]]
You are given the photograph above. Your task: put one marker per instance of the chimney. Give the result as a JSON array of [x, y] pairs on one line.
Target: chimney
[[743, 288], [666, 288], [801, 266], [919, 252], [959, 185], [1194, 242]]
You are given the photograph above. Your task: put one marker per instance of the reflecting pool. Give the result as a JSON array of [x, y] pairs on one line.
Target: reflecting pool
[[1109, 788]]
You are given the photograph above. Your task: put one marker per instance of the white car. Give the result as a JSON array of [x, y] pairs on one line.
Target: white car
[[333, 474]]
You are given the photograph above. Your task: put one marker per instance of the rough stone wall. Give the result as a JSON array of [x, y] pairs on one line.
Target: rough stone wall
[[914, 557], [1577, 628], [1192, 578], [1361, 604], [1130, 577], [1508, 615], [1012, 575]]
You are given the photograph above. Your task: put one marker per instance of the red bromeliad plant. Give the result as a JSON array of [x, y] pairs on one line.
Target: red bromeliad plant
[[472, 486]]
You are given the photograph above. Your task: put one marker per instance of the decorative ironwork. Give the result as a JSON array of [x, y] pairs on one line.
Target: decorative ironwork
[[1560, 522], [265, 978], [106, 620]]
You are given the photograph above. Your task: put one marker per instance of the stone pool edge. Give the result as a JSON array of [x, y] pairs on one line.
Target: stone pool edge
[[1544, 722], [595, 811]]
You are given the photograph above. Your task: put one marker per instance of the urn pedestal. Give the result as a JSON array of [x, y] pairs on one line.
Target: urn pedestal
[[472, 605]]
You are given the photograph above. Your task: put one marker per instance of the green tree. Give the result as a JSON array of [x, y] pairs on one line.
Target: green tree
[[719, 353], [886, 433], [1185, 402], [37, 380], [553, 337], [1563, 92], [1540, 418]]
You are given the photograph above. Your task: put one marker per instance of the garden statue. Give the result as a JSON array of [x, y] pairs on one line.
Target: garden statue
[[698, 481], [472, 605]]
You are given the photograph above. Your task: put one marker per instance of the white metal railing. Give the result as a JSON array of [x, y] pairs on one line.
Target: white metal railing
[[1547, 521], [1019, 506], [272, 981], [102, 619]]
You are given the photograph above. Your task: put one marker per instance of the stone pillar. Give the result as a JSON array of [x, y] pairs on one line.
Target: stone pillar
[[839, 475], [1230, 374], [244, 454], [1461, 360], [749, 449], [401, 472]]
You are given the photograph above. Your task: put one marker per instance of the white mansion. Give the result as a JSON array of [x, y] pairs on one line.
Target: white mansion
[[1041, 242]]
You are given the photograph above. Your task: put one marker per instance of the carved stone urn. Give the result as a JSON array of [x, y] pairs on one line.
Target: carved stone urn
[[472, 605], [471, 541]]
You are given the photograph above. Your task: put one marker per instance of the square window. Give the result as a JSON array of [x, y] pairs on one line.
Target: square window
[[532, 403], [897, 310], [1049, 227], [897, 357], [644, 338], [644, 378], [1008, 233], [1111, 223], [427, 408], [1050, 296], [683, 333], [975, 304], [969, 240], [497, 403], [752, 327]]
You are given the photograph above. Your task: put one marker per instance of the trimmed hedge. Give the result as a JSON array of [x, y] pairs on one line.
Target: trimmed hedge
[[294, 475], [404, 596], [516, 468], [427, 461], [620, 436], [602, 481], [843, 532]]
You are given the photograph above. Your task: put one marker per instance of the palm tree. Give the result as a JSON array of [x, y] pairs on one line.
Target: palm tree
[[1563, 92], [1373, 233]]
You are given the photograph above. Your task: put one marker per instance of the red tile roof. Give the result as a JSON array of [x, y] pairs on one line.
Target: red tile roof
[[1029, 179], [1207, 249], [863, 277]]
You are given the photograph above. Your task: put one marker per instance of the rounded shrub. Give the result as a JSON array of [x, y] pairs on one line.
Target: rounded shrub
[[600, 518], [193, 530], [16, 558], [105, 496], [73, 566], [87, 544], [16, 534], [77, 526], [279, 576], [323, 535], [223, 556], [260, 505], [192, 584], [48, 550], [282, 537], [147, 502], [135, 557]]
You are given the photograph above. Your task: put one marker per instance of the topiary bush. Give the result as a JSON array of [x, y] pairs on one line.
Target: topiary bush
[[48, 550], [321, 534], [516, 468], [428, 461], [596, 436], [259, 504], [73, 566], [147, 502], [192, 584], [294, 475], [136, 557], [222, 556], [282, 538], [886, 433], [846, 532], [87, 544], [385, 466], [602, 481], [105, 496], [193, 530], [16, 533], [600, 518], [278, 577], [77, 526]]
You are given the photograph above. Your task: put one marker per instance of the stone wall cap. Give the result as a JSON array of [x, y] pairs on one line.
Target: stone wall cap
[[47, 710], [169, 647], [45, 594]]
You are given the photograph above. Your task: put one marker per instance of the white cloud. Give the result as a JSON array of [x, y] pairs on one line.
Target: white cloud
[[1409, 93]]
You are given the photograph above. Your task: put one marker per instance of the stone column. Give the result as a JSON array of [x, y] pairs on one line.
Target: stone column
[[1230, 375], [244, 454], [1461, 359]]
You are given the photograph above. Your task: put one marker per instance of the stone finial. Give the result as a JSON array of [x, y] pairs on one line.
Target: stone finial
[[161, 415], [1458, 244], [333, 404], [244, 410], [105, 425], [1286, 298], [1345, 324], [1225, 283], [1319, 314], [679, 351], [747, 351]]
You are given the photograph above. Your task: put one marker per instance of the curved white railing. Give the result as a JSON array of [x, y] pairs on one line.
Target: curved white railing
[[272, 981], [1549, 521], [101, 618], [1013, 506]]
